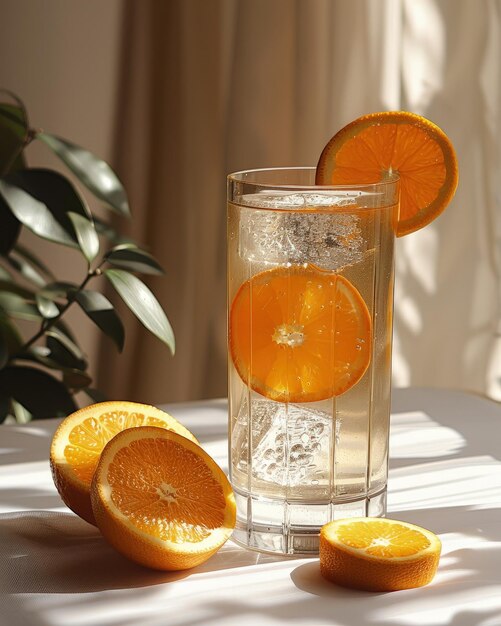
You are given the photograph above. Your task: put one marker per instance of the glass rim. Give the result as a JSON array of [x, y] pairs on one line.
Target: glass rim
[[239, 177]]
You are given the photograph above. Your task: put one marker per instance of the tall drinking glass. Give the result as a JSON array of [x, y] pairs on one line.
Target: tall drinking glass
[[310, 312]]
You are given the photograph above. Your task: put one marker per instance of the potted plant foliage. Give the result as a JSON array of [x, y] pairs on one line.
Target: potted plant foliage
[[42, 365]]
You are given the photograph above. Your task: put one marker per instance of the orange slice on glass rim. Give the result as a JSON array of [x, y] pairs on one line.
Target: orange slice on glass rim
[[373, 146], [298, 334]]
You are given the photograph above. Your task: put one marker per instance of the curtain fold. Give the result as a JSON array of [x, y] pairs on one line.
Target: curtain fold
[[448, 284], [213, 87]]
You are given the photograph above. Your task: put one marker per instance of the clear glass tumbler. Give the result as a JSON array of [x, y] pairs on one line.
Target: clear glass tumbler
[[310, 315]]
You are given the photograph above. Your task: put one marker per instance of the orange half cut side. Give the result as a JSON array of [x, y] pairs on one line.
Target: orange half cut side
[[161, 500]]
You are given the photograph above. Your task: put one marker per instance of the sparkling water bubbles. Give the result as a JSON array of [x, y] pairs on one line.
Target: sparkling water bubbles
[[300, 228]]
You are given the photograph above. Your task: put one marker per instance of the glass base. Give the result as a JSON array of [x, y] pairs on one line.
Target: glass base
[[292, 528]]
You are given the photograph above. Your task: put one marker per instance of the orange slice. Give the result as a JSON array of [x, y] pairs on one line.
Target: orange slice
[[378, 554], [298, 334], [375, 145], [160, 500], [78, 442]]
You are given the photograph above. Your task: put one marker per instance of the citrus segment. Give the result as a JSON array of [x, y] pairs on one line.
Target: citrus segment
[[298, 334], [371, 148], [160, 500], [81, 437], [378, 554]]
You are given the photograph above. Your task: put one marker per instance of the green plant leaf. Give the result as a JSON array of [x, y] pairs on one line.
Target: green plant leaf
[[4, 409], [18, 301], [134, 260], [37, 391], [64, 351], [18, 163], [13, 135], [86, 235], [32, 258], [54, 190], [105, 229], [57, 193], [13, 116], [108, 231], [11, 148], [4, 348], [34, 214], [126, 245], [5, 274], [11, 336], [48, 309], [141, 301], [41, 355], [26, 270], [11, 287], [76, 379], [21, 415], [10, 340], [16, 306], [58, 290], [92, 171], [61, 326], [11, 227], [101, 312]]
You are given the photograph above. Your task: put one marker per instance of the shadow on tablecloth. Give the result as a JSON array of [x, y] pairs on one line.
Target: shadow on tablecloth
[[51, 552]]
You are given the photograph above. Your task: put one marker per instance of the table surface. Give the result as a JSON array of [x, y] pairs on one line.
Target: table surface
[[445, 474]]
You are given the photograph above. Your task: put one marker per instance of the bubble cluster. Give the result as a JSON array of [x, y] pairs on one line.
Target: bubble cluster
[[329, 239]]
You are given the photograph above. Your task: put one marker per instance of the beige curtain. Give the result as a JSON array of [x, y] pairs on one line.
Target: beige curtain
[[213, 86], [448, 275]]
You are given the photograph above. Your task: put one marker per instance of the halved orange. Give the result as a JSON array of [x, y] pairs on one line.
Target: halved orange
[[160, 500], [78, 442], [298, 334], [378, 554], [373, 146]]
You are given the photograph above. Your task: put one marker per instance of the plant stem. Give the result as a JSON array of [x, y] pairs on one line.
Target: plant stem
[[48, 323]]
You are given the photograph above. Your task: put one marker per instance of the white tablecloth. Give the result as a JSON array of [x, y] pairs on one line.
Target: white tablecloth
[[55, 569]]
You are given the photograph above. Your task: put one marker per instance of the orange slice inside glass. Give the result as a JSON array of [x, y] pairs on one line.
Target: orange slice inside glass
[[298, 334], [373, 146]]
